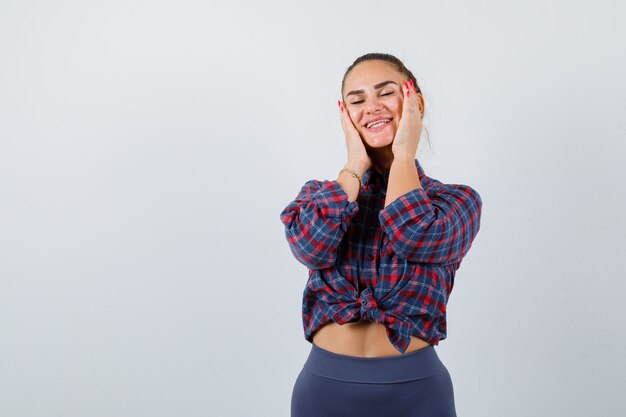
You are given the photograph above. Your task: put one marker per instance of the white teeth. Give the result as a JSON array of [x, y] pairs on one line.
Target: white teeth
[[377, 123]]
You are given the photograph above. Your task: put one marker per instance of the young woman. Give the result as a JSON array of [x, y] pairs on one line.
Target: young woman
[[382, 243]]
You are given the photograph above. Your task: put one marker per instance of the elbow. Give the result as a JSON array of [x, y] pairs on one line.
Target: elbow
[[438, 244], [311, 253], [425, 253], [314, 261]]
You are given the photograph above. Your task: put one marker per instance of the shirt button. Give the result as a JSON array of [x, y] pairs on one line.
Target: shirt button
[[363, 302], [371, 256]]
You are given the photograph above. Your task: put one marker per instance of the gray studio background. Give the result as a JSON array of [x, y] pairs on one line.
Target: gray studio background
[[147, 149]]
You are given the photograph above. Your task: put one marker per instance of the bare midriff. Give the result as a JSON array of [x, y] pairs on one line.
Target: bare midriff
[[363, 338]]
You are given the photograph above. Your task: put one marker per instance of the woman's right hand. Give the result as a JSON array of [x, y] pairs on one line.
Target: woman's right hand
[[357, 154]]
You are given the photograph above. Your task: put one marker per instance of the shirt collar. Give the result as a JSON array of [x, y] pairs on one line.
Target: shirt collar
[[372, 176]]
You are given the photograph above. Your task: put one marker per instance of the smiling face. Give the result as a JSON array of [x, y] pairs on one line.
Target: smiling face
[[373, 97]]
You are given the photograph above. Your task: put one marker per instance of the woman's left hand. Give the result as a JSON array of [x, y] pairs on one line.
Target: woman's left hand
[[410, 127]]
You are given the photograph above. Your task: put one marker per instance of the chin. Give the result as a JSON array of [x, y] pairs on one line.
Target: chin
[[378, 142]]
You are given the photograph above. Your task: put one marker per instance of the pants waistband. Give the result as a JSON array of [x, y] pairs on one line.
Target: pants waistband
[[410, 366]]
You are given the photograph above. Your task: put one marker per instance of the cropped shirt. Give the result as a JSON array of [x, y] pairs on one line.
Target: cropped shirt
[[394, 265]]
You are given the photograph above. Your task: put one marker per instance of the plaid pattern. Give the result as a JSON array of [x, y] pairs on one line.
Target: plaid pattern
[[394, 265]]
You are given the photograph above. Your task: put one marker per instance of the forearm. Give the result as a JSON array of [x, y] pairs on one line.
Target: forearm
[[403, 177]]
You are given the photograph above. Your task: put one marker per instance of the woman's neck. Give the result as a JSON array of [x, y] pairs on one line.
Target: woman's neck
[[382, 158]]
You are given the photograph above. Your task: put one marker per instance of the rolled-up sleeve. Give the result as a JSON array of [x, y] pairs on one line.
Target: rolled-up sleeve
[[316, 221], [437, 225]]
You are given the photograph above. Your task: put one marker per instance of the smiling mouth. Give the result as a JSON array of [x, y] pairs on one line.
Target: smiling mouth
[[377, 124]]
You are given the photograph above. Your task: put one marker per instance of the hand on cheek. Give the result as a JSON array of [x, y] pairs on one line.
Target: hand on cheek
[[357, 154], [410, 126]]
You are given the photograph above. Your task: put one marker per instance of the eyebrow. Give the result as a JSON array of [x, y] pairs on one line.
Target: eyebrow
[[376, 87]]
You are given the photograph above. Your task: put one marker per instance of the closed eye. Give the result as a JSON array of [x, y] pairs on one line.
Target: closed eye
[[361, 101]]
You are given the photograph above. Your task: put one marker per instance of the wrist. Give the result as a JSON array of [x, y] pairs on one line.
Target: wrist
[[357, 167], [348, 171], [403, 158]]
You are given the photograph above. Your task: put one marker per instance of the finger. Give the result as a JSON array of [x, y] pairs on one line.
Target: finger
[[348, 121], [412, 100], [341, 112], [407, 103], [417, 100]]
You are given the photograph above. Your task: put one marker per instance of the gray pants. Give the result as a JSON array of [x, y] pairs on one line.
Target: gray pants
[[414, 384]]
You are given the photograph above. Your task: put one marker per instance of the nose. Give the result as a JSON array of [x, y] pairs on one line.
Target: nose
[[373, 106]]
